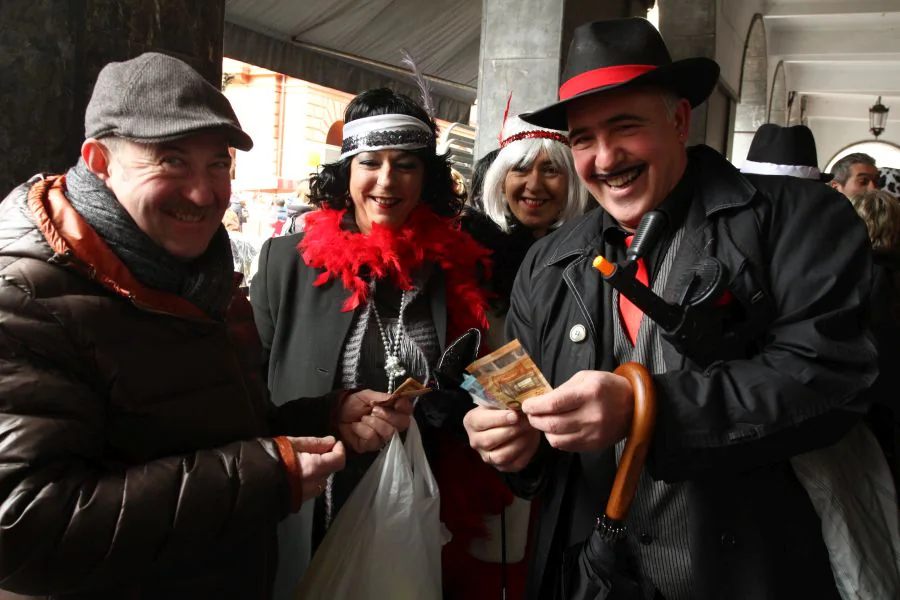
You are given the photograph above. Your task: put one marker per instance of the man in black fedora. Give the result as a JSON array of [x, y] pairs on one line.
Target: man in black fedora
[[719, 512], [790, 151]]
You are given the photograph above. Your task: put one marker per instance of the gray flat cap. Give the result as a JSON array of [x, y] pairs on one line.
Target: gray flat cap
[[158, 98]]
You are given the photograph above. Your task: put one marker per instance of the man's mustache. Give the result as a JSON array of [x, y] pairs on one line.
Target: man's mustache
[[617, 172]]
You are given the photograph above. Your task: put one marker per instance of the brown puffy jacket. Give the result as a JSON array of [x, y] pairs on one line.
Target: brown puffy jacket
[[135, 457]]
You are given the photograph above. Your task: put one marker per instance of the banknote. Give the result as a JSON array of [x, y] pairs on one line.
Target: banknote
[[478, 393], [508, 376], [408, 389]]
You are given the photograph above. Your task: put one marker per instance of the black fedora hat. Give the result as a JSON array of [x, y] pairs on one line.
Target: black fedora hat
[[791, 151], [608, 55]]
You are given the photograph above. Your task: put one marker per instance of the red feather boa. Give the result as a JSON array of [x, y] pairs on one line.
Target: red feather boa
[[469, 488], [396, 254]]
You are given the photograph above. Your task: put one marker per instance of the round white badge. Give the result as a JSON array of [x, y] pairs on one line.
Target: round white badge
[[578, 333]]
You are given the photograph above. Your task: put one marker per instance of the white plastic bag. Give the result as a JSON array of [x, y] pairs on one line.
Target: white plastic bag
[[386, 541], [852, 490]]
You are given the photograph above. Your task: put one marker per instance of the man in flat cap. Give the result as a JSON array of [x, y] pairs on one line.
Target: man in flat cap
[[781, 265], [139, 455]]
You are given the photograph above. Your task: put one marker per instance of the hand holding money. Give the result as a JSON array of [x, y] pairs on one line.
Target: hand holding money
[[366, 419], [591, 411], [505, 378], [408, 389], [503, 438]]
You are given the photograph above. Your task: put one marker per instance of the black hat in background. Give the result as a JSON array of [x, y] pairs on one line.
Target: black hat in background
[[608, 55], [791, 151], [156, 98]]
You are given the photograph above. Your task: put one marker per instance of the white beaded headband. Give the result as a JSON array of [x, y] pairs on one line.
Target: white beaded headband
[[385, 132]]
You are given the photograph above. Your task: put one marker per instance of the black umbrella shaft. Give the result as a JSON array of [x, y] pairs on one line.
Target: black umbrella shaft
[[666, 315]]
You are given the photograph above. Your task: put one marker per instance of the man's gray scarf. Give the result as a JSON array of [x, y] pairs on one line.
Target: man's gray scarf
[[206, 281]]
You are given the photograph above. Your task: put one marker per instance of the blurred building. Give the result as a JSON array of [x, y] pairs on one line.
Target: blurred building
[[296, 126]]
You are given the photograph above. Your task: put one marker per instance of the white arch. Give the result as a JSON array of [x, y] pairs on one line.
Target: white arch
[[885, 154]]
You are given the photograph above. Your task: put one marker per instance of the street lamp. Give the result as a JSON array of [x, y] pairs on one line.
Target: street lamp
[[878, 118]]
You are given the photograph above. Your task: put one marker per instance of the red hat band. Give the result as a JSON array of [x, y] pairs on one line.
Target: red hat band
[[598, 78]]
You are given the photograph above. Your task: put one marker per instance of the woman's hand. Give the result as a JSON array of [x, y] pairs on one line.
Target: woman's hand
[[368, 419]]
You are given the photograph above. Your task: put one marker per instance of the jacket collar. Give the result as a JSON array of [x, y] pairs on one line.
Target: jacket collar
[[579, 237], [722, 188], [74, 241]]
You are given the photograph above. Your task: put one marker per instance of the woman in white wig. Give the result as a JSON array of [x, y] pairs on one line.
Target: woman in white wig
[[530, 189], [532, 185]]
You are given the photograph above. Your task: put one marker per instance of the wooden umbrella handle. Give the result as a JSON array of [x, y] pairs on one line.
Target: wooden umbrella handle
[[638, 442]]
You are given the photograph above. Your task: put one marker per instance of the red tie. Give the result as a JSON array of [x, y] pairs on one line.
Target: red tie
[[631, 314]]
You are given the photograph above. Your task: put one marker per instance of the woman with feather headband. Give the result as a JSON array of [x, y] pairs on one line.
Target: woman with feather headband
[[380, 283]]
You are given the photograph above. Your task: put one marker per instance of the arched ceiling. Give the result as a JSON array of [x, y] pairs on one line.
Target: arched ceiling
[[839, 55]]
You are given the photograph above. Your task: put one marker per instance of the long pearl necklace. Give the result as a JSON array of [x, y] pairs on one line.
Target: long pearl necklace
[[393, 368]]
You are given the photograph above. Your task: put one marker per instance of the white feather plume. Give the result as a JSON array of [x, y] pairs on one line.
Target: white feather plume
[[419, 76]]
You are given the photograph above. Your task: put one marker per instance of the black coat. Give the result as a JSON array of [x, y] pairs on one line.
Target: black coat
[[303, 324], [799, 265], [884, 415]]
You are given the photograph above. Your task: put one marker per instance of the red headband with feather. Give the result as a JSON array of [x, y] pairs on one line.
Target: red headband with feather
[[533, 133]]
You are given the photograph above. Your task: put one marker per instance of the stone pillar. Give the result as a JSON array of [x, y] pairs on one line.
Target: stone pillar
[[689, 29], [523, 47], [751, 111], [52, 50]]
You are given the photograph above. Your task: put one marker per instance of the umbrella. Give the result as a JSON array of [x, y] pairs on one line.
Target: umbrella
[[601, 568], [694, 332]]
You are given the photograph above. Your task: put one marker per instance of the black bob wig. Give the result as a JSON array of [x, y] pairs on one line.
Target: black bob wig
[[331, 184]]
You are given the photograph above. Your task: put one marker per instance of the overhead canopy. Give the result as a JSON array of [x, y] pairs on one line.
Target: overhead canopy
[[354, 46]]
